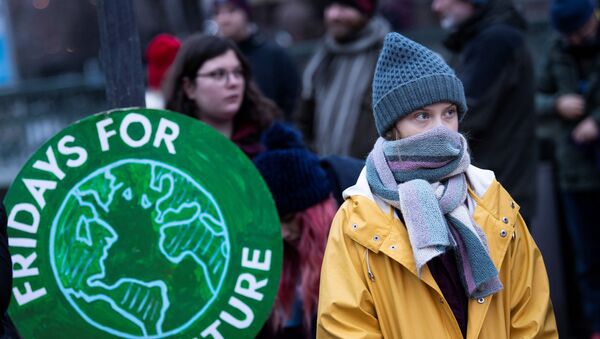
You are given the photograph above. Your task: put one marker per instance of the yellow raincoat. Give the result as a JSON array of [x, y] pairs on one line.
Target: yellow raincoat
[[370, 288]]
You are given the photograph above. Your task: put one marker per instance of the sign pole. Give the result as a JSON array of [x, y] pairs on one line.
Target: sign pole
[[120, 53]]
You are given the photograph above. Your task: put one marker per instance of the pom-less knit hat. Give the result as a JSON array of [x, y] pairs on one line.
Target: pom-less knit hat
[[293, 173], [409, 76], [568, 16]]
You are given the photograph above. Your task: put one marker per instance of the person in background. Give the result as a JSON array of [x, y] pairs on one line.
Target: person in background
[[335, 112], [569, 91], [273, 69], [160, 53], [306, 206], [210, 80], [427, 245], [493, 61]]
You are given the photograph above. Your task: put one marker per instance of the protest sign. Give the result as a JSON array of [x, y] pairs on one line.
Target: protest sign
[[141, 223]]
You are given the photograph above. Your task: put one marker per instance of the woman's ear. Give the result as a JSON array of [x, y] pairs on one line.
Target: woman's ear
[[188, 88]]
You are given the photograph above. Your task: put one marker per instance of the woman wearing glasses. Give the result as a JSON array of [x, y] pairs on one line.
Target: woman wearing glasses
[[210, 80]]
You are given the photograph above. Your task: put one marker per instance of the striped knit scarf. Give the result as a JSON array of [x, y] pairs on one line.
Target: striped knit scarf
[[423, 176]]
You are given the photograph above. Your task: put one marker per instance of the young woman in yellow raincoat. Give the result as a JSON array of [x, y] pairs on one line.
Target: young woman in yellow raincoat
[[427, 245]]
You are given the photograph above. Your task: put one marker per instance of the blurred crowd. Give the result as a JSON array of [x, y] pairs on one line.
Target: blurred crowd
[[330, 99], [310, 127]]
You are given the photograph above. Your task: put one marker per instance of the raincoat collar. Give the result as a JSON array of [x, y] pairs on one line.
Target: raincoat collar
[[382, 231]]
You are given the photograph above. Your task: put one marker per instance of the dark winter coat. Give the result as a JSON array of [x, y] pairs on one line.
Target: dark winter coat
[[495, 65], [273, 70], [570, 70]]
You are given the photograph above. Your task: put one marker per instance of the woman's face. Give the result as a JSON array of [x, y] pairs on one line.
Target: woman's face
[[343, 21], [426, 118], [218, 88], [232, 21]]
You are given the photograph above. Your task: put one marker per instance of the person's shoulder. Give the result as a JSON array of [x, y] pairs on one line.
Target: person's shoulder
[[342, 172], [360, 219], [503, 29], [261, 43], [484, 184], [273, 47], [501, 35], [343, 166], [490, 193], [480, 179]]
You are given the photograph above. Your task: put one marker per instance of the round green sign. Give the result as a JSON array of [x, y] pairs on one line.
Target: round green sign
[[142, 223]]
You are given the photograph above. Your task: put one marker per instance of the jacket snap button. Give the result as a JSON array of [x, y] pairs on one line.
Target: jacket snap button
[[393, 247], [481, 300], [354, 226], [505, 220], [514, 235], [503, 233], [376, 238]]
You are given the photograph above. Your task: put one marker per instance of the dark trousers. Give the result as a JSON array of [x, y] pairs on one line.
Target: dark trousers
[[583, 223]]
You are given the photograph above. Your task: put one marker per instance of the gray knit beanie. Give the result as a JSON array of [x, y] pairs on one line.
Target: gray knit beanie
[[409, 76]]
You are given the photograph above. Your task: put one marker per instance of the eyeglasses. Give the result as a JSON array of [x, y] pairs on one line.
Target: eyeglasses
[[222, 76]]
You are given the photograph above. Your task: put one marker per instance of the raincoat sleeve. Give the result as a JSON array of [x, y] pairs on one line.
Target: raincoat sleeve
[[545, 98], [531, 312], [346, 308]]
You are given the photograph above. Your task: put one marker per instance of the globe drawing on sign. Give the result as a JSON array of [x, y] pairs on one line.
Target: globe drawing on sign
[[139, 249]]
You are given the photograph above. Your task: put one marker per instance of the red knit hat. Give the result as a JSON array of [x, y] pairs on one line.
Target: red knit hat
[[160, 54]]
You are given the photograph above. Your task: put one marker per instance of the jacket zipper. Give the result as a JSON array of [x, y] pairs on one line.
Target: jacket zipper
[[371, 275]]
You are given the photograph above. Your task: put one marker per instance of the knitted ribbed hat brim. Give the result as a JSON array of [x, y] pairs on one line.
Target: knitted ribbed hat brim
[[416, 94]]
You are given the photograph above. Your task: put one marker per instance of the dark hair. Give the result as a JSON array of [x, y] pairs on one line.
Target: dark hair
[[195, 51]]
